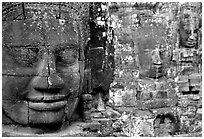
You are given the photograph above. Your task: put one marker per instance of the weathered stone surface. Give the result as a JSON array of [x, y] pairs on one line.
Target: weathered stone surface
[[145, 114], [96, 58], [41, 76], [165, 110], [15, 110], [152, 104], [87, 97], [45, 117], [183, 87], [78, 129], [87, 115], [23, 34], [148, 80], [110, 113], [14, 87]]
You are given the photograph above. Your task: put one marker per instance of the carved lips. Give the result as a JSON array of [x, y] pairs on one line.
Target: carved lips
[[48, 103], [42, 106]]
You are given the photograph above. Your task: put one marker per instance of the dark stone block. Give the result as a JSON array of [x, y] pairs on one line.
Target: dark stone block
[[87, 105], [87, 88], [87, 116], [107, 79], [97, 78], [196, 88], [96, 58]]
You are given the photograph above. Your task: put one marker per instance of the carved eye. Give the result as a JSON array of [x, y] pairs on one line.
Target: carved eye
[[146, 50], [66, 56], [188, 31], [24, 56]]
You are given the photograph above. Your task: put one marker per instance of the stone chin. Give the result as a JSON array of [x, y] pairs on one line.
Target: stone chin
[[52, 121], [153, 73]]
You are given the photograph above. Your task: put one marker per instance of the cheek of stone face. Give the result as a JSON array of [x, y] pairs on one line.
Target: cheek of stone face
[[191, 110], [145, 61], [183, 36], [15, 87], [72, 82], [15, 110], [13, 104]]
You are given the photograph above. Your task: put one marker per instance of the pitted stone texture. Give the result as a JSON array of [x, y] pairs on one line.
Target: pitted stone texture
[[11, 110], [181, 86]]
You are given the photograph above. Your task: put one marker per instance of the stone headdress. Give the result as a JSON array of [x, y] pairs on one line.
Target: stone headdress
[[77, 12], [193, 11]]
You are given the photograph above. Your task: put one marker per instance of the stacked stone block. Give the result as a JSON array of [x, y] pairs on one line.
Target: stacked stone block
[[178, 93]]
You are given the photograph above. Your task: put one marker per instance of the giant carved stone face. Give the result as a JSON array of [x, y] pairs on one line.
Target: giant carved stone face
[[41, 72]]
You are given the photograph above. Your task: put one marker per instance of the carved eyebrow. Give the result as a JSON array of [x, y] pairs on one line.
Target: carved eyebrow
[[146, 49], [21, 46], [68, 45]]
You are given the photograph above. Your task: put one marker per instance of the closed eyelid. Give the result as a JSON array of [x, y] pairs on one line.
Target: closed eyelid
[[146, 50], [71, 44]]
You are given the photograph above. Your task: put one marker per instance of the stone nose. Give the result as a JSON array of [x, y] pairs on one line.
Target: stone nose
[[42, 83], [156, 58], [192, 37], [48, 77]]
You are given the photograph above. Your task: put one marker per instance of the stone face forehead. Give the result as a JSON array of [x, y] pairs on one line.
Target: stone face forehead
[[38, 33], [45, 23], [59, 10]]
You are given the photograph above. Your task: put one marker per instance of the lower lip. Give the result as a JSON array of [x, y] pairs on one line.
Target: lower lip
[[157, 67], [42, 106]]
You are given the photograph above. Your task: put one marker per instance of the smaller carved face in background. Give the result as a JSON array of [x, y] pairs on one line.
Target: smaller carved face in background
[[153, 54], [153, 61], [191, 110], [165, 124], [188, 31]]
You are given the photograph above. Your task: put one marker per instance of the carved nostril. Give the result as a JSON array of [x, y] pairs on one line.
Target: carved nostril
[[55, 82], [158, 62], [157, 59]]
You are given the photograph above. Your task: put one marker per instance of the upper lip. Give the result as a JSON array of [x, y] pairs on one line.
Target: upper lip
[[48, 103]]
